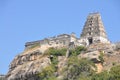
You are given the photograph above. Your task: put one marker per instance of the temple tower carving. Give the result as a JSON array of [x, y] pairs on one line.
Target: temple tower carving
[[93, 30]]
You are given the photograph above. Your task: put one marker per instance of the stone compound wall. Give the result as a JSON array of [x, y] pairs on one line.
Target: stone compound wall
[[62, 40], [2, 77], [93, 32]]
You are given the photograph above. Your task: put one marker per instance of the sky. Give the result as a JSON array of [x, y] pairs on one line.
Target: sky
[[23, 21]]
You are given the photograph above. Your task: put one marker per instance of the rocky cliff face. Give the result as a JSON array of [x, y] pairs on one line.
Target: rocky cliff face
[[29, 63], [26, 65]]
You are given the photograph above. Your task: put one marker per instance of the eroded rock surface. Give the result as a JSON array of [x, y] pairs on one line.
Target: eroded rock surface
[[26, 65]]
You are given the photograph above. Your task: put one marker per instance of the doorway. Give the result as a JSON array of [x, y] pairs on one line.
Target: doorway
[[90, 40]]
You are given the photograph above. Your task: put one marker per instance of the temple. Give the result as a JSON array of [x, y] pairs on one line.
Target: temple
[[93, 32]]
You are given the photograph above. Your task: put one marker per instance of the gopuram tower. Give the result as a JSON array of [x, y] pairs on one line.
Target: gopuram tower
[[93, 31]]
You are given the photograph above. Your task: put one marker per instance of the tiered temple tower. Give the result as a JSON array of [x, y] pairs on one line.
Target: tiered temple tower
[[93, 31]]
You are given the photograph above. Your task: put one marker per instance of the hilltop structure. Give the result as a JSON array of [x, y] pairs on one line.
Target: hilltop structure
[[33, 60], [93, 32], [2, 77], [63, 40]]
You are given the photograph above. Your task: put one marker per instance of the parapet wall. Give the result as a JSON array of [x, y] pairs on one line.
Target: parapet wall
[[62, 40]]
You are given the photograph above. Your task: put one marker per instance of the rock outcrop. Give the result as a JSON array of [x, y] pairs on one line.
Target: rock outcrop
[[27, 65], [32, 61]]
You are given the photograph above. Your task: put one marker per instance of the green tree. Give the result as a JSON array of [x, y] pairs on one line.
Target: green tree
[[78, 68], [54, 60], [47, 73], [101, 57], [77, 50], [56, 51], [101, 76], [115, 72]]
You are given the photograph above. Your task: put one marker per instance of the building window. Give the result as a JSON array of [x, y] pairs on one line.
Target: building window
[[91, 21], [90, 24], [90, 28], [90, 40], [64, 42], [89, 33], [56, 42]]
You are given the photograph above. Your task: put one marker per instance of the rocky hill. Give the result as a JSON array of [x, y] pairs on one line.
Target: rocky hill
[[31, 63], [66, 57]]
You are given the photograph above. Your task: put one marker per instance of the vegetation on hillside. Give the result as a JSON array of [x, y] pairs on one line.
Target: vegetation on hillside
[[77, 50], [49, 72], [101, 57], [56, 51], [113, 74], [76, 69]]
